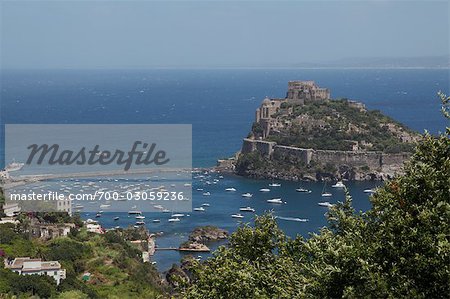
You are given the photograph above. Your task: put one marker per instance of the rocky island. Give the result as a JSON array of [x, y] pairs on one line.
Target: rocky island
[[309, 136], [201, 236]]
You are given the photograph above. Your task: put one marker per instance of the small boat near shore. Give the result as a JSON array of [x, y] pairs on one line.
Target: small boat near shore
[[369, 191], [275, 200], [156, 221], [116, 218], [140, 223], [264, 190], [199, 209], [302, 190], [140, 217], [325, 204], [247, 195], [230, 189], [174, 220], [177, 215], [292, 219], [339, 184], [274, 185], [239, 216], [247, 209], [324, 193], [134, 212]]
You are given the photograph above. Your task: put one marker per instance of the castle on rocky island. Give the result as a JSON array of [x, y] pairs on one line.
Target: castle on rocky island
[[298, 93], [308, 113]]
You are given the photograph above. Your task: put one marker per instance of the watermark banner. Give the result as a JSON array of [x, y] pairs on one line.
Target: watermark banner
[[98, 168]]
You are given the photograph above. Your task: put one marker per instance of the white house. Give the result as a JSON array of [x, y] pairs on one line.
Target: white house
[[28, 266]]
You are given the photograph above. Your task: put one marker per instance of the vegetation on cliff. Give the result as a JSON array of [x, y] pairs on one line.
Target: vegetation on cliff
[[115, 265], [400, 248], [338, 125]]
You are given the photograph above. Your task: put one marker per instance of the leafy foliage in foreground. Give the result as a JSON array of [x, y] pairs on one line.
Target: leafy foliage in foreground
[[398, 249]]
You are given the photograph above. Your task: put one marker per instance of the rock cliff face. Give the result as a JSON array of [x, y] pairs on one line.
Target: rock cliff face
[[267, 160]]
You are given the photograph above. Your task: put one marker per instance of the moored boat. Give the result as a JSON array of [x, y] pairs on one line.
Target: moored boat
[[239, 216], [339, 184], [247, 209], [325, 204], [275, 200]]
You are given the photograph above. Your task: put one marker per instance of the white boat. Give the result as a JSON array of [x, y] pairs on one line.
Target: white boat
[[205, 204], [14, 166], [324, 193], [177, 215], [325, 204], [292, 219], [264, 190], [134, 212], [156, 221], [206, 194], [199, 189], [200, 209], [248, 195], [140, 217], [140, 223], [104, 206], [230, 189], [187, 185], [247, 209], [274, 185], [369, 191], [174, 220], [275, 200], [166, 211], [302, 190], [237, 216], [339, 184]]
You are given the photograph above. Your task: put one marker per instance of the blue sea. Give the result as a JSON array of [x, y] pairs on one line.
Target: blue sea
[[220, 104]]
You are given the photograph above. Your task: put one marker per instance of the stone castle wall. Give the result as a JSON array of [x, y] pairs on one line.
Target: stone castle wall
[[374, 160]]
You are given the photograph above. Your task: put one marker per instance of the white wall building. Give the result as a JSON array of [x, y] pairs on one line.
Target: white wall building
[[28, 266]]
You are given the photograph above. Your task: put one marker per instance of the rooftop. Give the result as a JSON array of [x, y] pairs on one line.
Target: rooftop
[[27, 264]]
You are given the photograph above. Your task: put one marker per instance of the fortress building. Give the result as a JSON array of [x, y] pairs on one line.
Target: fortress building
[[299, 92], [302, 92]]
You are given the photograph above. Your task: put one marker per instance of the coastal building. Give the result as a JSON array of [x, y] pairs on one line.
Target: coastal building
[[28, 266], [303, 92], [299, 93], [10, 220], [4, 175], [11, 208], [50, 231], [92, 226], [64, 206]]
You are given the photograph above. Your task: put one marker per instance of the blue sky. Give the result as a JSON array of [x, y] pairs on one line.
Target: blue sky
[[141, 34]]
